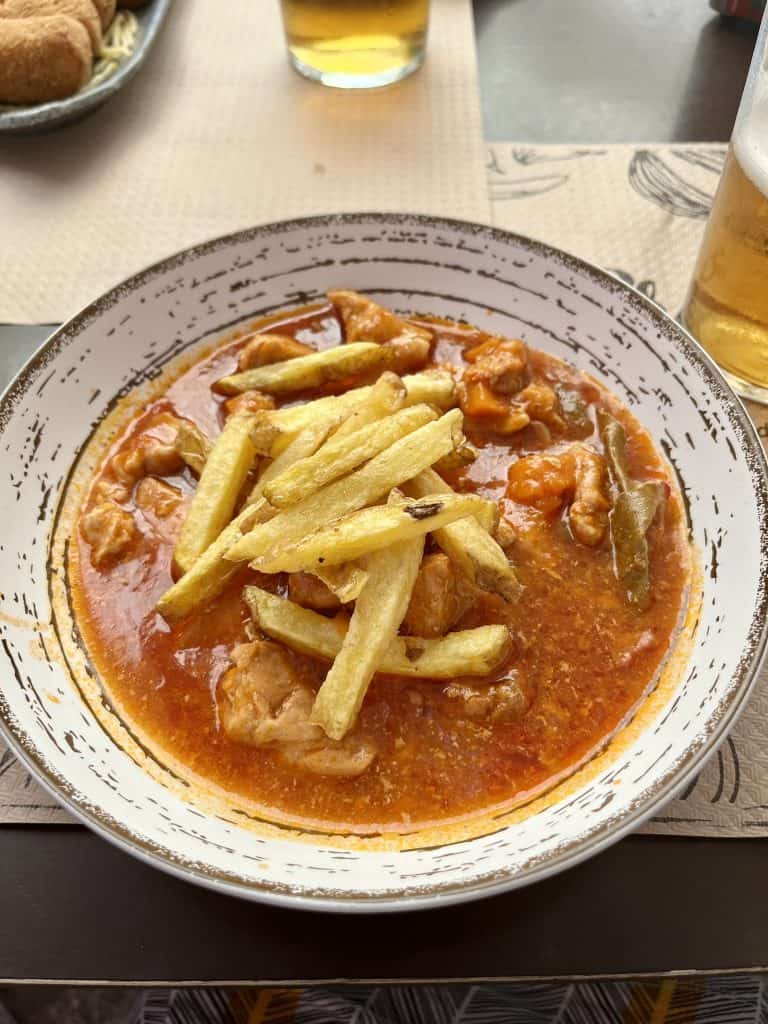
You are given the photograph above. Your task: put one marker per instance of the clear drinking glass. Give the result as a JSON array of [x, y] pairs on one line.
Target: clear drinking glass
[[727, 305], [355, 44]]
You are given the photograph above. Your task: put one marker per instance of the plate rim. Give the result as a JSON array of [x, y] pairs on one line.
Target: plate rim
[[673, 780]]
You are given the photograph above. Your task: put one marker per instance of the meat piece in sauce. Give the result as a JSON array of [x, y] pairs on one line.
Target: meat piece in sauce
[[577, 475], [588, 515], [503, 701], [153, 453], [440, 597], [109, 530], [505, 534], [310, 592], [365, 320], [499, 363], [542, 404], [265, 349], [264, 702], [498, 369], [248, 402], [158, 497], [494, 387]]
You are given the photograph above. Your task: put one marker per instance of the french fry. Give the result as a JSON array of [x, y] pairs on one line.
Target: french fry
[[468, 545], [342, 454], [379, 610], [404, 458], [308, 371], [275, 430], [303, 446], [387, 395], [192, 445], [214, 500], [345, 581], [467, 652], [373, 528], [210, 574]]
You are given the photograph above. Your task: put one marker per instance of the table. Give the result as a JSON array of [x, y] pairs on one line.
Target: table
[[72, 908]]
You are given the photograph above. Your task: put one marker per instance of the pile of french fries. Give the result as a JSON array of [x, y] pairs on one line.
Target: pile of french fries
[[345, 489]]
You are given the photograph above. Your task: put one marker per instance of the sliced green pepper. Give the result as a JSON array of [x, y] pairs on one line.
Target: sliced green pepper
[[634, 509]]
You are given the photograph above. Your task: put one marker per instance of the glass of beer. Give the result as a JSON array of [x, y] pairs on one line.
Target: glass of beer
[[355, 44], [727, 306]]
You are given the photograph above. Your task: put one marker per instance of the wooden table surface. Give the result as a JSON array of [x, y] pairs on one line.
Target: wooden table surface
[[72, 908]]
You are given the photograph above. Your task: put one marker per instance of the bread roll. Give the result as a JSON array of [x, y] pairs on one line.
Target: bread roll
[[83, 10], [43, 58], [106, 9]]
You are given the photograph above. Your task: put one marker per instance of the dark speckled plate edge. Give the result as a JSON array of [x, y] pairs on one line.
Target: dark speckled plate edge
[[675, 778], [42, 117]]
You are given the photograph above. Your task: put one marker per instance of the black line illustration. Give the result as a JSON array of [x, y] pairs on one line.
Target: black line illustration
[[653, 179]]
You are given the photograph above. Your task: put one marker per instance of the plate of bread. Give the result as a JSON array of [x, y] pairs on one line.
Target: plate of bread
[[60, 59]]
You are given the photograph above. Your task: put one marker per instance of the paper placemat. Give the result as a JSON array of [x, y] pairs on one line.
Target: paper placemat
[[640, 212], [217, 133]]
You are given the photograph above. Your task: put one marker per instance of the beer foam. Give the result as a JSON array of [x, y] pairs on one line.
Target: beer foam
[[750, 143]]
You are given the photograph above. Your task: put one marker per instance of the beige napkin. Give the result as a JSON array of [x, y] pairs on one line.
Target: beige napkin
[[218, 133]]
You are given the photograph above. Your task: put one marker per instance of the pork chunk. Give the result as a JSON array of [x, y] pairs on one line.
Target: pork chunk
[[153, 453], [440, 597], [588, 514], [342, 759], [158, 497], [248, 402], [366, 320], [109, 530], [310, 592], [410, 353], [542, 404], [494, 702], [500, 363], [264, 349], [577, 476], [264, 702]]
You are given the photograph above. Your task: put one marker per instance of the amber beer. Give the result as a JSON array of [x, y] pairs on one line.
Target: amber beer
[[356, 43], [727, 309]]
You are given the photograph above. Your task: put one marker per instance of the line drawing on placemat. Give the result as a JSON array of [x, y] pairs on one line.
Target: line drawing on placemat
[[652, 177]]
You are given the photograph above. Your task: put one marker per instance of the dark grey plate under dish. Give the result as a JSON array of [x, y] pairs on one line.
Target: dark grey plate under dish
[[41, 117]]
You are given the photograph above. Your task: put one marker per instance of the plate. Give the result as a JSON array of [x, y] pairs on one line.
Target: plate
[[122, 345], [40, 117]]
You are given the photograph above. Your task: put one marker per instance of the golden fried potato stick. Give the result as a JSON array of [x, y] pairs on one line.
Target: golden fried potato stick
[[275, 430], [466, 652], [206, 579], [379, 610], [468, 545], [371, 529], [310, 371], [341, 454], [412, 453], [213, 502]]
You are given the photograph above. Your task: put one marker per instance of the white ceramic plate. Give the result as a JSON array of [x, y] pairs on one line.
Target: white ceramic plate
[[498, 281]]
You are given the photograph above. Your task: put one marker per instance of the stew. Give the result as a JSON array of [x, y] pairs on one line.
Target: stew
[[341, 643]]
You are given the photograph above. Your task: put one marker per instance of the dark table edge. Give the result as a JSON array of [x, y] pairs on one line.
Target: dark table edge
[[352, 982]]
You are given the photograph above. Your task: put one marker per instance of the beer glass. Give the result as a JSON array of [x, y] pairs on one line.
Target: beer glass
[[355, 44], [727, 305]]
